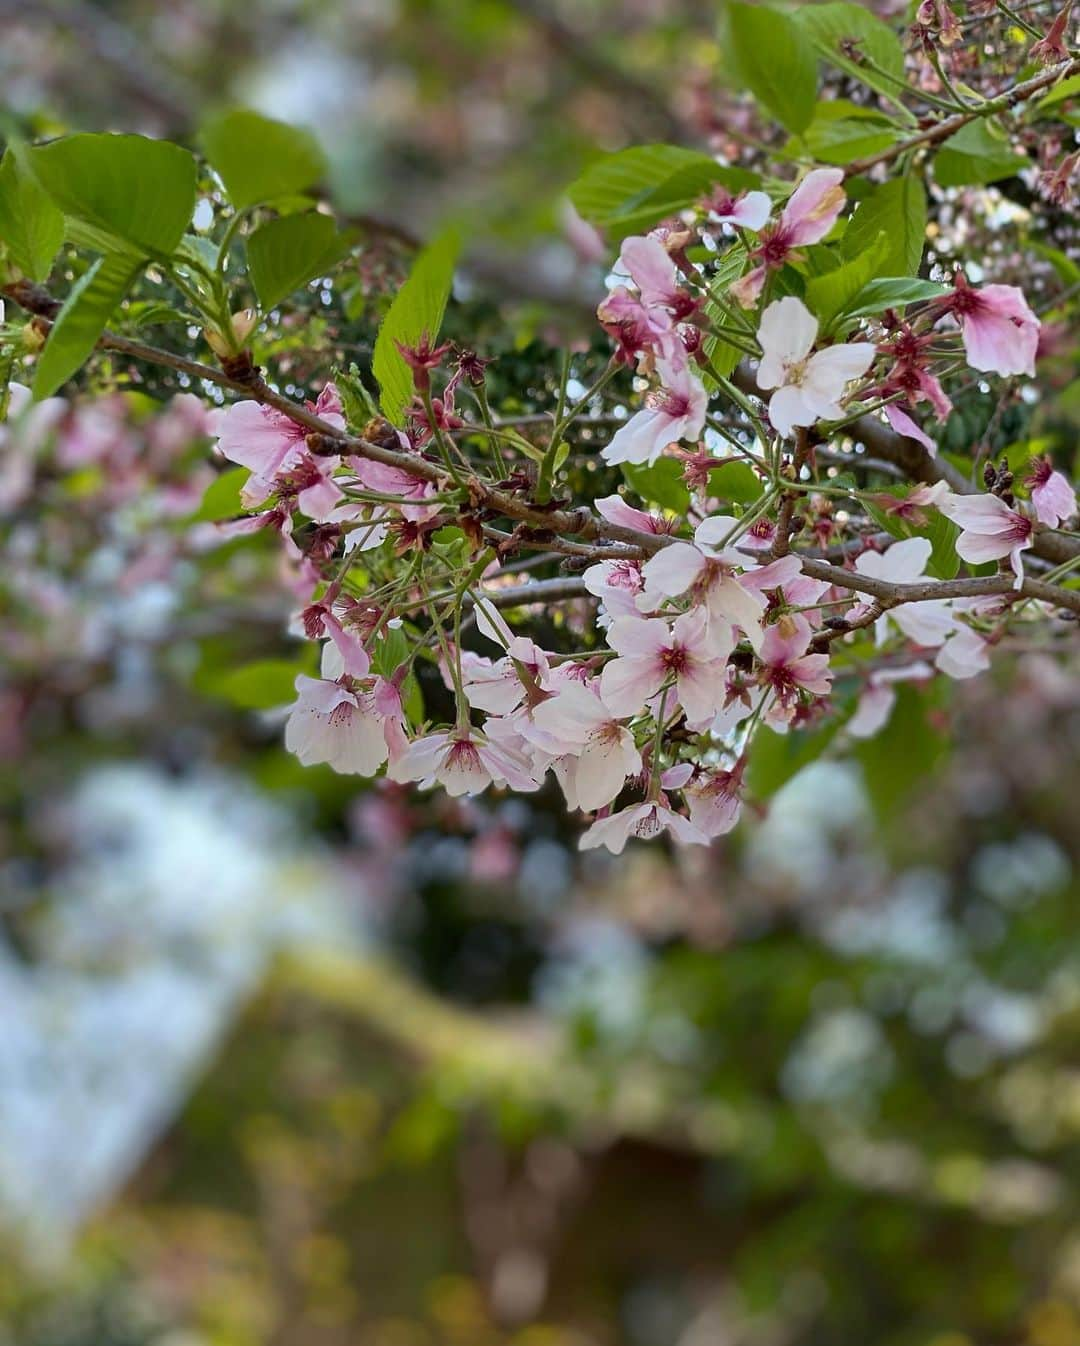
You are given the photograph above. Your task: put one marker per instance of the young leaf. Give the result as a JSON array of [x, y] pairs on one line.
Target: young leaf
[[634, 188], [776, 61], [850, 36], [899, 208], [259, 159], [286, 253], [735, 481], [82, 319], [30, 225], [133, 194], [417, 310], [828, 295]]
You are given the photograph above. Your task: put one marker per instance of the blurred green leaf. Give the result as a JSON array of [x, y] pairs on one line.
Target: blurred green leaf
[[222, 497], [777, 758], [661, 484]]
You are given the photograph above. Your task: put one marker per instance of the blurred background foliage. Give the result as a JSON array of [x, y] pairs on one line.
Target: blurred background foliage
[[289, 1061]]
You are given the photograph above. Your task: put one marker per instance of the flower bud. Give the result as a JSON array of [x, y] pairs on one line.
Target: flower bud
[[244, 323]]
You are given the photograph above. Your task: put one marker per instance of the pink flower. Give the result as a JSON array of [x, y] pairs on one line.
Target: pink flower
[[267, 441], [637, 330], [497, 687], [463, 763], [964, 655], [615, 509], [748, 210], [601, 752], [902, 423], [911, 507], [714, 800], [787, 669], [990, 530], [617, 585], [1000, 332], [673, 412], [710, 576], [927, 623], [645, 821], [810, 387], [811, 211], [344, 726], [879, 696], [1051, 494], [650, 653], [648, 264]]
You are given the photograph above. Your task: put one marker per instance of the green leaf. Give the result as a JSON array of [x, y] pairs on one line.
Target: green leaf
[[286, 253], [776, 758], [634, 188], [82, 319], [834, 27], [892, 292], [944, 564], [899, 208], [259, 159], [222, 497], [899, 759], [776, 61], [261, 685], [358, 404], [1060, 93], [828, 295], [129, 192], [842, 131], [30, 225], [735, 481], [661, 484], [417, 310], [976, 155]]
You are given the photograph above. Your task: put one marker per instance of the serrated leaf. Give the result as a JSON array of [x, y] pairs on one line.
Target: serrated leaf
[[125, 192], [260, 159], [636, 187], [31, 225], [899, 208], [417, 310], [82, 319], [776, 61], [975, 155], [285, 254], [837, 29], [828, 295]]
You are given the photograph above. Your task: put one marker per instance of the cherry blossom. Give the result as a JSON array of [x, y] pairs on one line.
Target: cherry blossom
[[1051, 494], [650, 652], [999, 330], [788, 670], [811, 211], [344, 726], [927, 623], [674, 411], [990, 530], [809, 387], [601, 752], [646, 822], [463, 762]]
